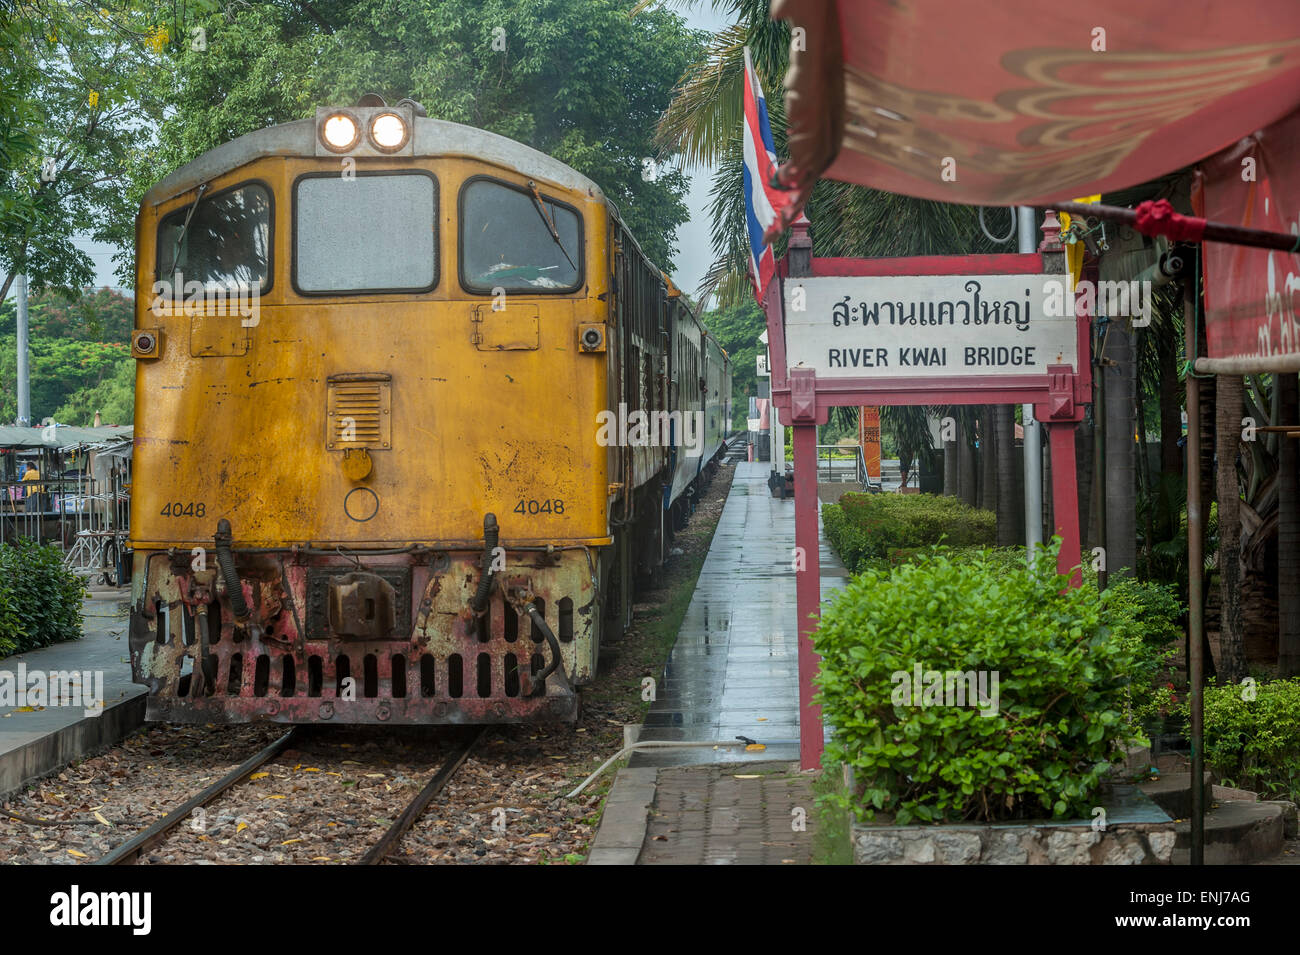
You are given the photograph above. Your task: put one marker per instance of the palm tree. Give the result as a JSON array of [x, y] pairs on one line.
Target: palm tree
[[988, 460], [1009, 510], [1120, 371], [703, 125], [1288, 533], [1229, 402], [910, 427]]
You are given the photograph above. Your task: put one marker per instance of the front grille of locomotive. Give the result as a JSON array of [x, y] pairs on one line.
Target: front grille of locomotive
[[385, 673], [463, 668]]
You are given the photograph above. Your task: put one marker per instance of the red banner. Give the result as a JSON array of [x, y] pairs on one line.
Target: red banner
[[1251, 295]]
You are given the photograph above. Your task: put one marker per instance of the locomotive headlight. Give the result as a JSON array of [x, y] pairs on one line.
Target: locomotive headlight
[[388, 132], [339, 132]]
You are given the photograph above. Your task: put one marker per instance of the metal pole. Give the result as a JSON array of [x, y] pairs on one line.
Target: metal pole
[[24, 384], [807, 538], [1026, 223], [777, 436], [1195, 570]]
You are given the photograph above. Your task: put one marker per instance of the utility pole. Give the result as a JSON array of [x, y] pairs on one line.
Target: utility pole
[[1027, 229], [24, 385]]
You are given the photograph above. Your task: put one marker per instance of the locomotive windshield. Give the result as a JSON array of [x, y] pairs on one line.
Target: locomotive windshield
[[516, 239], [365, 233], [222, 239]]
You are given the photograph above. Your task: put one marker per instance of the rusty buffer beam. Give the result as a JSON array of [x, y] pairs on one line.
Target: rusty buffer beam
[[389, 840], [141, 842]]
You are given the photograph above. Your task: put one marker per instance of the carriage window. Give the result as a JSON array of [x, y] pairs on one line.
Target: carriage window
[[365, 233], [509, 240], [227, 240]]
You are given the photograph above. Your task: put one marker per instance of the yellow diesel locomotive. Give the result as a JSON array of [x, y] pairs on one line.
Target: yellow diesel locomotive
[[386, 367]]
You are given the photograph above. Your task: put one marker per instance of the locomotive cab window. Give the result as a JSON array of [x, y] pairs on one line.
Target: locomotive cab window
[[371, 232], [220, 240], [518, 239]]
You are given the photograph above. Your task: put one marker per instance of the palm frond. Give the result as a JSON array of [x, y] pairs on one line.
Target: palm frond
[[707, 107]]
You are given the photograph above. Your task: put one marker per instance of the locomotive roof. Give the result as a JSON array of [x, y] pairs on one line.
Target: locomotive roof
[[430, 137]]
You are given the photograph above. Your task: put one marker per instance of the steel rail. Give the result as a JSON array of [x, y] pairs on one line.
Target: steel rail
[[415, 809], [129, 851]]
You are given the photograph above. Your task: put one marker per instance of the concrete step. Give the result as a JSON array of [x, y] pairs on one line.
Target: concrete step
[[1237, 832], [1239, 829], [1172, 792]]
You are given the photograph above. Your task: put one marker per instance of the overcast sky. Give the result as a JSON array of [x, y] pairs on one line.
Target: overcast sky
[[695, 252]]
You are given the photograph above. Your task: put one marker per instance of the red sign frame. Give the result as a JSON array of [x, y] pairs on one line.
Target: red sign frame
[[804, 400]]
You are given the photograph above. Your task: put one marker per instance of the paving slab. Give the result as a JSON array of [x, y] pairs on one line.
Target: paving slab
[[37, 737], [731, 815]]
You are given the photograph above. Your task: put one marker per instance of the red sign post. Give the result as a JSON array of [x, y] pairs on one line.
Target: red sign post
[[955, 330]]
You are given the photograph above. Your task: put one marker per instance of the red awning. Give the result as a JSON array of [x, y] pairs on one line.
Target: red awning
[[1020, 102]]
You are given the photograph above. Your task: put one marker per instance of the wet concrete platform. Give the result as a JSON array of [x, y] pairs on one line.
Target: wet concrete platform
[[41, 738], [734, 668], [733, 671]]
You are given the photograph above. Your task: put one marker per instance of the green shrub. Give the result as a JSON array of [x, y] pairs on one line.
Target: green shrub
[[40, 601], [1059, 696], [1144, 617], [866, 528], [1254, 743]]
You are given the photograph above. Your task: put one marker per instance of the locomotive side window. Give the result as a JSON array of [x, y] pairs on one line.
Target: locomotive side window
[[517, 239], [221, 239], [365, 233]]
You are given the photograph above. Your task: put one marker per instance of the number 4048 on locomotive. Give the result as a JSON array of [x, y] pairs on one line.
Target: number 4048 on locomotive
[[372, 352]]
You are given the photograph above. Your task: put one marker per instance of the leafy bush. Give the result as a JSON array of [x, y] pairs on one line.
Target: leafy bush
[[1056, 723], [40, 601], [1254, 743], [865, 529], [1144, 617]]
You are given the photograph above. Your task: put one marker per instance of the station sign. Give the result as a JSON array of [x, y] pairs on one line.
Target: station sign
[[929, 326]]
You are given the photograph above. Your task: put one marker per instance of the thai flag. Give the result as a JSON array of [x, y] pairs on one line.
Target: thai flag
[[762, 200]]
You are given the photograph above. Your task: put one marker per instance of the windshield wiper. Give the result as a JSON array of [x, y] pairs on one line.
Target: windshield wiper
[[180, 237], [550, 226]]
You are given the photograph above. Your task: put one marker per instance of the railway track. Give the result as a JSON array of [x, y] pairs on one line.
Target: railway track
[[131, 850], [415, 809]]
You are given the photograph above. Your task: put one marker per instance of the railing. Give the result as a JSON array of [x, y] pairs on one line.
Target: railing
[[88, 519], [844, 466], [839, 465]]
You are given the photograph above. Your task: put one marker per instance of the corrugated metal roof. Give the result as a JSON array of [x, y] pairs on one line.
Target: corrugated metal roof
[[64, 436]]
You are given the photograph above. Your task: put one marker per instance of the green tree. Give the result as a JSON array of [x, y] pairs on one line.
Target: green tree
[[68, 124], [113, 398], [60, 368], [582, 80], [101, 315], [737, 328]]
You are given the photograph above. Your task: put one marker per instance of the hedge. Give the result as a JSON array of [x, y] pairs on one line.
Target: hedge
[[40, 601], [1145, 617], [1252, 736], [868, 529], [1037, 746]]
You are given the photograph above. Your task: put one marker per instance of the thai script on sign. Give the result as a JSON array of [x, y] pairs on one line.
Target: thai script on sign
[[958, 311]]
